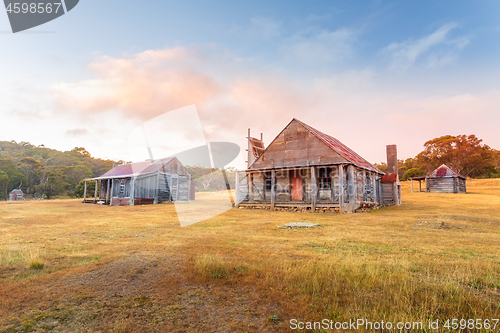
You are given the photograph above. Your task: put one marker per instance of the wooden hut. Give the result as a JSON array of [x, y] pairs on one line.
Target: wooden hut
[[150, 182], [445, 180], [16, 195], [304, 168]]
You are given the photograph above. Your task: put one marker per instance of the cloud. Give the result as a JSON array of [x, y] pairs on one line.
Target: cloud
[[77, 132], [313, 47], [351, 106], [435, 50], [142, 86]]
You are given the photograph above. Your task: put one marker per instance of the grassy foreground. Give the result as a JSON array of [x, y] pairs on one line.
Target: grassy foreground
[[72, 267]]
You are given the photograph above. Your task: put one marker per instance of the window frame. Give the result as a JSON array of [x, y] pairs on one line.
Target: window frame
[[325, 178]]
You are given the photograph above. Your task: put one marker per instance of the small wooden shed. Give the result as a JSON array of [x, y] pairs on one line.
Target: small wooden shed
[[150, 182], [445, 180], [16, 195]]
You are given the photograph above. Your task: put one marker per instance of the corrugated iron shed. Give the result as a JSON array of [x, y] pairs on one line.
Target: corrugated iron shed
[[444, 171]]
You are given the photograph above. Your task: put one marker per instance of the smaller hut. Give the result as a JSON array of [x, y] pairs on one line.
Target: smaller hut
[[150, 182], [445, 180], [16, 195]]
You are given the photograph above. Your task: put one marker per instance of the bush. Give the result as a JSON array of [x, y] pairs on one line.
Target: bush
[[36, 264], [413, 172]]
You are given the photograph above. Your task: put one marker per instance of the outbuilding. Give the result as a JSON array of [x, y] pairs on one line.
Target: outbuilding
[[445, 180], [150, 182], [16, 195]]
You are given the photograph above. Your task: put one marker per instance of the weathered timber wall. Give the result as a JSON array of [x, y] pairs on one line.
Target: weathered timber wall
[[445, 185], [295, 146], [117, 192], [145, 188], [283, 188], [243, 189], [387, 193], [184, 186]]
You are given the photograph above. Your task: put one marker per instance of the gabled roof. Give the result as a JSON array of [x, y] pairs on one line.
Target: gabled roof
[[136, 169], [338, 147], [444, 171], [342, 149]]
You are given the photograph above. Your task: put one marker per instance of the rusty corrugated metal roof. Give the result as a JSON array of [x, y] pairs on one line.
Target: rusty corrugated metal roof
[[135, 169], [341, 149], [444, 171]]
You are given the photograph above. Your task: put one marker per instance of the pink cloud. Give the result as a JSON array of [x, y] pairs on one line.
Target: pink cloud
[[351, 106]]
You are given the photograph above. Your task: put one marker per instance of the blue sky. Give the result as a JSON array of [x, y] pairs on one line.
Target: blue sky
[[368, 73]]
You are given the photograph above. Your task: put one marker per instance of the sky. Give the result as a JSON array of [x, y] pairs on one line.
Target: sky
[[369, 73]]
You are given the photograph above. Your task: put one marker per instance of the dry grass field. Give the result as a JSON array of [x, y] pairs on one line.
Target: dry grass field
[[72, 267]]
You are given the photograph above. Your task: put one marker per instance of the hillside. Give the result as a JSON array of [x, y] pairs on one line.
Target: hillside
[[41, 171]]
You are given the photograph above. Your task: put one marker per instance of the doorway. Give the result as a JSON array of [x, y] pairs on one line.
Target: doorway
[[296, 185]]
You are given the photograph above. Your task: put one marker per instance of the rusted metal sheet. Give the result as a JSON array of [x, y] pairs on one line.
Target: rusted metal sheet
[[135, 169], [342, 149], [389, 178], [444, 171]]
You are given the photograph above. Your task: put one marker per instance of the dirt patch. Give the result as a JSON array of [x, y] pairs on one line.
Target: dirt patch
[[140, 292], [439, 225]]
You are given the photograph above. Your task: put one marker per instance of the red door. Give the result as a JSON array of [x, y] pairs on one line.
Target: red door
[[296, 182]]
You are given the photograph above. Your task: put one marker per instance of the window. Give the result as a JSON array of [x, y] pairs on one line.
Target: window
[[122, 187], [324, 178], [268, 180]]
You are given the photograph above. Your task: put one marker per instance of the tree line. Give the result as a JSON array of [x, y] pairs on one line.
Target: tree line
[[466, 154], [42, 172]]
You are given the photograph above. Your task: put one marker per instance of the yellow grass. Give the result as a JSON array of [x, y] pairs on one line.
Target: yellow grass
[[437, 256]]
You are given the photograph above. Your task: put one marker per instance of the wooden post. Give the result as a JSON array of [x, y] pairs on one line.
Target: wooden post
[[85, 191], [273, 190], [237, 187], [170, 188], [341, 188], [111, 192], [313, 189], [395, 195], [95, 192], [132, 190], [365, 195], [157, 189], [411, 184], [108, 189], [419, 186], [351, 195], [250, 187], [374, 188]]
